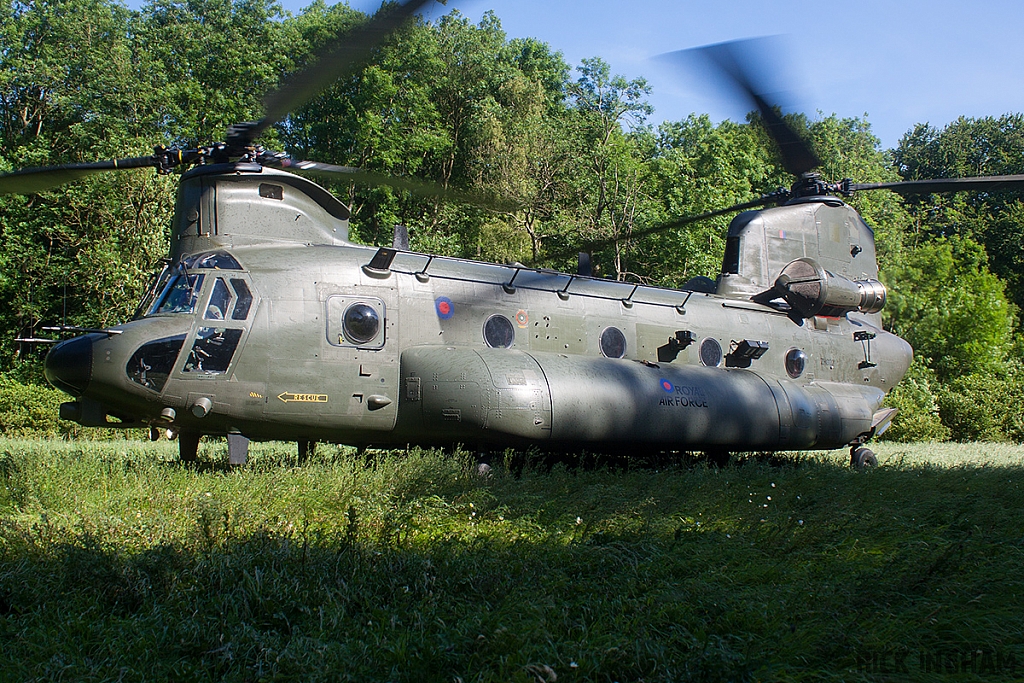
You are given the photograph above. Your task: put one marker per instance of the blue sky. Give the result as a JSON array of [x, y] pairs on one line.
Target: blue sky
[[899, 61]]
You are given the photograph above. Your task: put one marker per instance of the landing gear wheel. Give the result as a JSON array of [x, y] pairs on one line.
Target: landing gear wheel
[[483, 462], [863, 457]]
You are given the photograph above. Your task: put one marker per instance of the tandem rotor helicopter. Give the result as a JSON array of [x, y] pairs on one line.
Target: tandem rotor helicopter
[[267, 323]]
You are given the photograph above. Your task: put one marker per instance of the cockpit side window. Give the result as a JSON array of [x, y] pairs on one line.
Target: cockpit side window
[[220, 301], [212, 351], [151, 364]]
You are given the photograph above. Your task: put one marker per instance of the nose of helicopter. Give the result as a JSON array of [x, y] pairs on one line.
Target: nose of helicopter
[[68, 365]]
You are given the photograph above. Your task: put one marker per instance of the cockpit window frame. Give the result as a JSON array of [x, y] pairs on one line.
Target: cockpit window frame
[[194, 267], [235, 331], [220, 303]]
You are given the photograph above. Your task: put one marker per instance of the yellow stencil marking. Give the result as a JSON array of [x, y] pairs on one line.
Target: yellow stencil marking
[[289, 397]]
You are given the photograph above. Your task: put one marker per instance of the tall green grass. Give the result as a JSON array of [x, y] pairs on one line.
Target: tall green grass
[[118, 563]]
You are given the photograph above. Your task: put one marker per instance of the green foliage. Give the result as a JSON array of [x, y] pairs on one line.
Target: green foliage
[[985, 407], [950, 307], [699, 167], [30, 410], [914, 397], [971, 147]]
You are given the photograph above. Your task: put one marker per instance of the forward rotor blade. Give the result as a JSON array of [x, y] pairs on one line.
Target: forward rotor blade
[[373, 179], [735, 61], [352, 49], [32, 180], [772, 198], [976, 184]]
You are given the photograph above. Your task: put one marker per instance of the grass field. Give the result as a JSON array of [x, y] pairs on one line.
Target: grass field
[[117, 563]]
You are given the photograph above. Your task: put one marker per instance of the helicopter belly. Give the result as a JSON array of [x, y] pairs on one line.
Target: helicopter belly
[[503, 396]]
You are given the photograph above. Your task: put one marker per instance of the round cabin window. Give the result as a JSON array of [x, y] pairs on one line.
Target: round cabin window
[[796, 362], [498, 332], [711, 353], [361, 323], [613, 343]]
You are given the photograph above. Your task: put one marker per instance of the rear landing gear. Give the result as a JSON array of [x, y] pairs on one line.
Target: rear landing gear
[[861, 457]]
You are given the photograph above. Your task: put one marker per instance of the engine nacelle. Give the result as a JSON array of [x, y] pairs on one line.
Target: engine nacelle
[[811, 290]]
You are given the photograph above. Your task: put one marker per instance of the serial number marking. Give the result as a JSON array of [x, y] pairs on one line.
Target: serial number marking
[[289, 397]]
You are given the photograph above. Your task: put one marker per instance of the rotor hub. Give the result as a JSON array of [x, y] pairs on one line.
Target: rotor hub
[[812, 185]]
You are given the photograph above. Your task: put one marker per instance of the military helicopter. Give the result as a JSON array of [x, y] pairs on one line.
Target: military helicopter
[[267, 323]]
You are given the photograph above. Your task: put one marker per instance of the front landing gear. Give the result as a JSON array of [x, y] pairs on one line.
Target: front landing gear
[[307, 449], [861, 457], [188, 446]]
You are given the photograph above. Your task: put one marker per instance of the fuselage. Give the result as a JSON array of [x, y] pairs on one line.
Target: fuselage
[[287, 339]]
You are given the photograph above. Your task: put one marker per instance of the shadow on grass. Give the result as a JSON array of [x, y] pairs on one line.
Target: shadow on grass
[[420, 568]]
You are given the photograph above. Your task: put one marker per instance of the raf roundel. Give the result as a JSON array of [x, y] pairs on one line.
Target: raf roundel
[[667, 386], [444, 307]]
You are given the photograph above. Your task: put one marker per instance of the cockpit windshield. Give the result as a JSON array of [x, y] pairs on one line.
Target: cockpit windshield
[[177, 292], [216, 260], [176, 289]]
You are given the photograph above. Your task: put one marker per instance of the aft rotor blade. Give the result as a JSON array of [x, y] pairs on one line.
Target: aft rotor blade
[[351, 50], [32, 180], [373, 179], [937, 185], [772, 198], [734, 61]]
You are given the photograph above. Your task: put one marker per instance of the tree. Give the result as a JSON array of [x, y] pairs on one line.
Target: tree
[[218, 59], [944, 301], [76, 89], [82, 80], [971, 147], [607, 179], [699, 167]]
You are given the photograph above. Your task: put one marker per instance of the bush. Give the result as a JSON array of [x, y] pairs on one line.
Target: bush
[[985, 406], [951, 308], [31, 410], [918, 418]]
